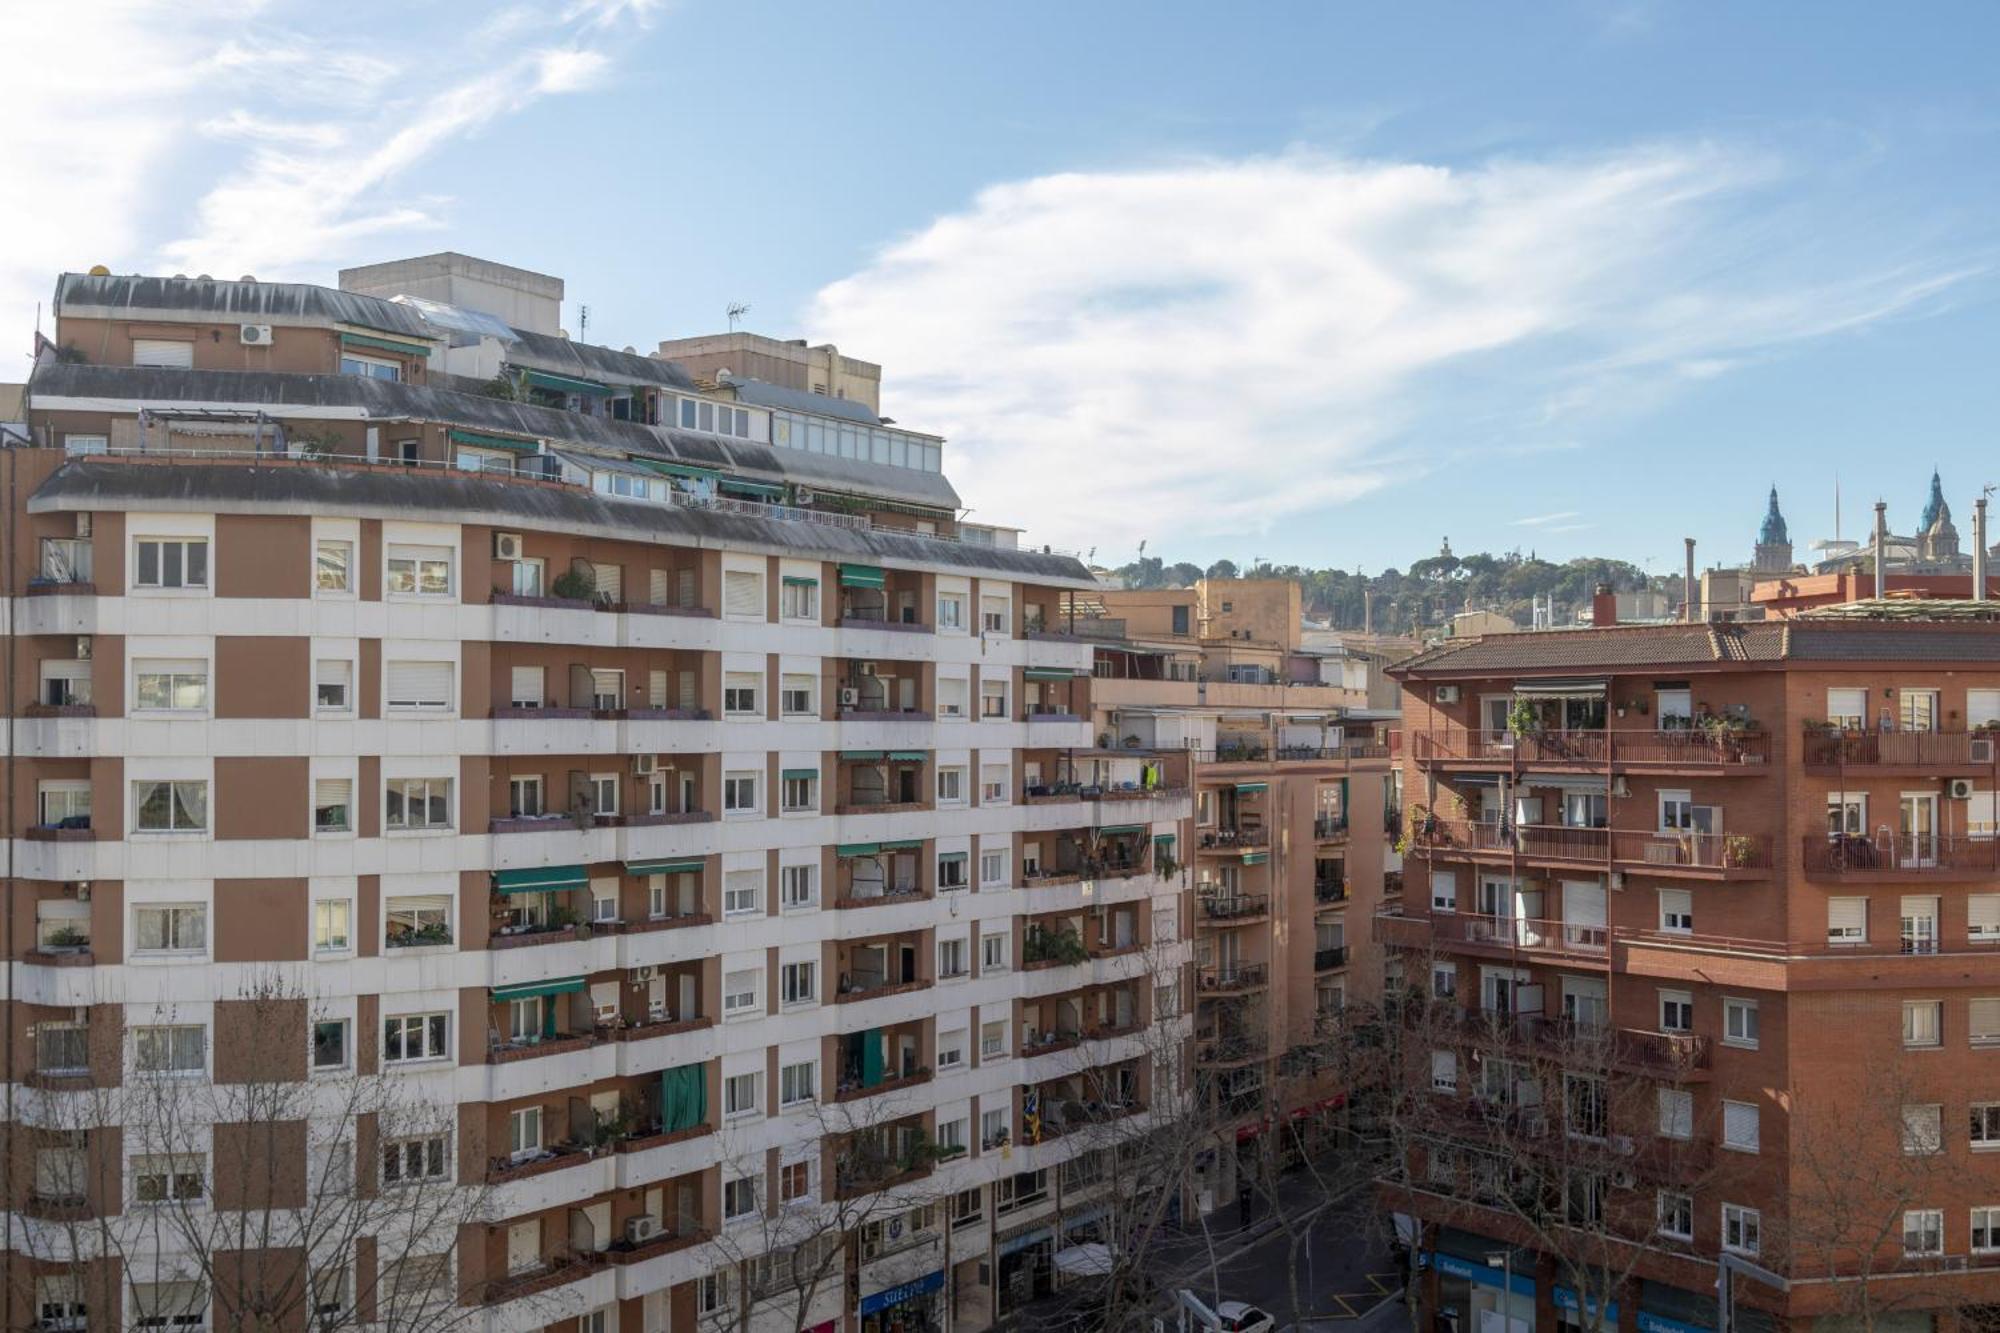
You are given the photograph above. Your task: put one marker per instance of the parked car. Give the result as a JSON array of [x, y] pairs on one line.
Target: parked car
[[1239, 1317]]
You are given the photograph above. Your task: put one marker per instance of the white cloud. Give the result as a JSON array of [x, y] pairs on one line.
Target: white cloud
[[1210, 347], [1543, 520]]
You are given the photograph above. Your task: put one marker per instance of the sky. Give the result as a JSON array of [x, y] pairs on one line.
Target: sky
[[1320, 284]]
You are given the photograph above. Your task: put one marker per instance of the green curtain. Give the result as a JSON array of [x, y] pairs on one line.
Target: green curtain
[[872, 1042], [1343, 798], [683, 1098]]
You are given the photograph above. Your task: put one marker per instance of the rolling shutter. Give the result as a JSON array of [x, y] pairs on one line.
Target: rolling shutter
[[742, 594], [1985, 1024], [610, 582], [1982, 912], [1739, 1124], [163, 354], [1847, 919], [656, 689], [419, 685], [656, 587], [526, 690]]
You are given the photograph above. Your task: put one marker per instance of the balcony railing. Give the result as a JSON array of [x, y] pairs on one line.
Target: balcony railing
[[1899, 749], [1898, 854], [1241, 976], [1330, 826], [1238, 907], [1511, 934], [1600, 846], [1229, 839], [1234, 1047], [1325, 960], [1329, 890], [1670, 747]]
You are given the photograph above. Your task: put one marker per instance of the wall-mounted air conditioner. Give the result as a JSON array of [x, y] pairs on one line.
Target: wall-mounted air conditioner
[[255, 335], [506, 546], [1446, 694]]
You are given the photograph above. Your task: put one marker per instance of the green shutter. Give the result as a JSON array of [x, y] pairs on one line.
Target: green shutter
[[541, 879], [481, 440], [384, 345], [683, 1098], [862, 576], [872, 1042], [567, 384], [1255, 858], [664, 867], [530, 989]]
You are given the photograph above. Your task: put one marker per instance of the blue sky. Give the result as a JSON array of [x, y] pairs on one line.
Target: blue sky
[[1316, 283]]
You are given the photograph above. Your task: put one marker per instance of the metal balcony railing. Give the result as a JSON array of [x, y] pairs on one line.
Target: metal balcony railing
[[1899, 749], [1902, 853]]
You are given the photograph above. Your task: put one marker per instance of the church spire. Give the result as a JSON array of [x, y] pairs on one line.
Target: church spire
[[1773, 533], [1932, 505]]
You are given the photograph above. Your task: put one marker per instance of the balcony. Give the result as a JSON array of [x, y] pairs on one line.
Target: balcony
[[1238, 979], [1327, 960], [1236, 908], [1911, 753], [1233, 838], [1705, 750], [1329, 891], [1236, 1048], [504, 1052], [852, 992], [901, 893], [1494, 937], [1330, 828], [558, 1271], [853, 1089], [1700, 855], [1857, 857]]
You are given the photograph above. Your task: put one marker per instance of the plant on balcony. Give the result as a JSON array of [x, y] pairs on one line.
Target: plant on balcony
[[1523, 718], [1065, 947], [1165, 866], [577, 585], [434, 933], [67, 937], [1738, 851]]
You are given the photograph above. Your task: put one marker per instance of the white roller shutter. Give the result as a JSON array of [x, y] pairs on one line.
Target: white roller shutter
[[656, 689], [742, 594], [1739, 1125], [656, 587], [1982, 911], [610, 582], [1985, 1022], [418, 685], [163, 353], [526, 690], [1847, 919]]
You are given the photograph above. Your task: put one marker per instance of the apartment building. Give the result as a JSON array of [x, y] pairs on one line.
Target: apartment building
[[1295, 806], [647, 809], [1694, 960]]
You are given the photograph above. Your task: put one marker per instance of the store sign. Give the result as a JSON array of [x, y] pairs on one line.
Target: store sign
[[1659, 1323], [908, 1291], [1565, 1299], [1484, 1275]]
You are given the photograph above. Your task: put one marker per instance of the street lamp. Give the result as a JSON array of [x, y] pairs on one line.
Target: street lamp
[[1504, 1261]]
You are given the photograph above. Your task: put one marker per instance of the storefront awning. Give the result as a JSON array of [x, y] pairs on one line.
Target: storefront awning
[[862, 576], [481, 440], [529, 990], [901, 1294], [1567, 687], [541, 879], [384, 345], [665, 867], [547, 379]]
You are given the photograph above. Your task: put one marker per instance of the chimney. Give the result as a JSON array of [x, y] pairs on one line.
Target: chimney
[[1881, 548], [1603, 606], [1687, 585], [1979, 549], [1368, 607]]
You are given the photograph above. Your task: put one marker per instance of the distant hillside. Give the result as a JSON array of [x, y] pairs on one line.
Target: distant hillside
[[1428, 593]]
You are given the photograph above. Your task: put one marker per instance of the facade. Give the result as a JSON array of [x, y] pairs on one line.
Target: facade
[[655, 815], [787, 364], [1693, 960], [1294, 794]]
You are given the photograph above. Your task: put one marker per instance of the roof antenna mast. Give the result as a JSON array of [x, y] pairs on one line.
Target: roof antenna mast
[[737, 310]]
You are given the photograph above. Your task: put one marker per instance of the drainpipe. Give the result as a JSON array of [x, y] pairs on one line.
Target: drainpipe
[[1881, 546], [1979, 549], [1687, 584]]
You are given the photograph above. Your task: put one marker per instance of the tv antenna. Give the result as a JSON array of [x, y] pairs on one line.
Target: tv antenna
[[737, 310], [583, 323]]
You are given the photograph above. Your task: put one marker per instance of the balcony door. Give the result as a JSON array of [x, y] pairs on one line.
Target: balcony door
[[1916, 844], [1583, 914], [1917, 710], [1920, 925], [1586, 1003]]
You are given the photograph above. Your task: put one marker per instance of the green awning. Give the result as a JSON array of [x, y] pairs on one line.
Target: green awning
[[950, 856], [1163, 840], [857, 849], [754, 490], [862, 576], [683, 1098], [904, 845], [910, 756], [530, 989], [1048, 673], [545, 379], [864, 755], [541, 879], [481, 440], [664, 867], [384, 345], [799, 774], [797, 581], [1255, 858], [1253, 786], [681, 470], [1123, 828]]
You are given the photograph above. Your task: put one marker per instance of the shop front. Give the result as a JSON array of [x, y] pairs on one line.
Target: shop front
[[916, 1306], [1027, 1265], [1479, 1291]]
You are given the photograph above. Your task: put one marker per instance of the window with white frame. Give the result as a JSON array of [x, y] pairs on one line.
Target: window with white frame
[[419, 571], [739, 793], [178, 1306], [524, 1132], [331, 1047], [1444, 980], [951, 611], [169, 685], [1923, 1232], [740, 1197], [1923, 1129], [170, 806], [65, 682], [1847, 921], [1740, 1126], [1986, 1229], [951, 871], [743, 893], [800, 791], [798, 887], [333, 566], [952, 959], [951, 1049], [795, 695], [1982, 918], [171, 562], [524, 687], [1444, 891], [1677, 910], [1674, 1215], [993, 1040], [170, 1048], [743, 1095], [951, 691], [799, 983], [993, 951], [798, 1083], [1739, 1022], [1983, 1021], [994, 781], [1985, 1126], [602, 792], [64, 1048], [1847, 709], [1742, 1229], [418, 803], [409, 1038], [333, 685], [798, 598], [993, 699], [951, 785], [992, 866], [59, 1303], [417, 687], [176, 928], [1444, 1071], [412, 920], [408, 1161], [993, 1127], [994, 613], [524, 796], [1676, 1011], [1676, 1113], [333, 805], [739, 992], [63, 802], [739, 693], [1923, 1023]]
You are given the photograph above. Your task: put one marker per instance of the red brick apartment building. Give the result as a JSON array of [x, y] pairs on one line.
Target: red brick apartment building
[[1755, 868], [622, 778]]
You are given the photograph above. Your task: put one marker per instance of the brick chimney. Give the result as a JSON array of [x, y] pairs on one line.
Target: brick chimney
[[1603, 606]]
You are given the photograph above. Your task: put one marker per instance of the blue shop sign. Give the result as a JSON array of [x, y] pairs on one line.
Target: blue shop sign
[[1565, 1299], [909, 1291], [1523, 1284], [1659, 1323]]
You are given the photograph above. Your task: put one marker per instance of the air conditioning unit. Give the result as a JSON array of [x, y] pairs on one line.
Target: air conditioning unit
[[1982, 746], [864, 668], [83, 522], [1959, 789], [640, 1229], [255, 335], [83, 647], [83, 890], [1445, 694], [506, 546], [645, 972], [802, 495], [850, 697], [1623, 1179], [645, 765]]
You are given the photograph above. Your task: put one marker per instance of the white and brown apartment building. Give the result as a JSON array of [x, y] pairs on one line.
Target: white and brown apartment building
[[635, 770], [1295, 807], [1699, 933]]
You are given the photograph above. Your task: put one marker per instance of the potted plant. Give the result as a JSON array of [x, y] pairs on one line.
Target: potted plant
[[1738, 851]]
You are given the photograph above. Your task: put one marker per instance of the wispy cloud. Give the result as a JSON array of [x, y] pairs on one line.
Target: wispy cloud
[[1543, 520], [1213, 346]]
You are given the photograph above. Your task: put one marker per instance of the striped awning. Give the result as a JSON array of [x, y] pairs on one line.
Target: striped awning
[[528, 990], [540, 879], [862, 576], [546, 379], [1048, 673], [666, 866], [481, 440], [857, 849], [384, 345]]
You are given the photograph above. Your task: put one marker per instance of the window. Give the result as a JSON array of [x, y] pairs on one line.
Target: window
[[795, 696], [993, 699], [799, 983], [1982, 917], [993, 614], [993, 1040], [1923, 1231], [172, 562], [329, 1044], [1739, 1023], [739, 1198], [951, 697], [333, 566], [369, 367], [739, 793], [171, 807], [951, 786], [1444, 1071], [1444, 891], [993, 1128], [743, 1095], [332, 918], [1847, 921], [1986, 1229], [1675, 1215], [712, 1292], [417, 686], [59, 1303], [1923, 1022], [951, 1136], [1676, 1113], [529, 578], [951, 871], [795, 1182], [798, 599], [1739, 1126], [65, 683], [951, 1049], [420, 571], [1847, 709], [1985, 1125], [170, 928], [182, 1306], [798, 1083], [1983, 1022], [63, 803], [993, 866], [161, 686], [742, 595], [993, 784], [739, 992], [1444, 980], [407, 1161], [742, 893], [1923, 1130], [333, 805], [417, 920], [951, 959], [1676, 1011], [603, 791], [419, 803], [993, 953], [1846, 814], [1677, 910], [524, 797], [739, 694], [951, 611], [178, 1049], [798, 887], [64, 1048], [1741, 1228], [333, 685], [799, 794], [407, 1038]]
